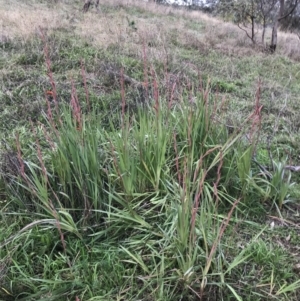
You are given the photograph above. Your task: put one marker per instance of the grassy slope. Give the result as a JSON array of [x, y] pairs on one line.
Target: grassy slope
[[188, 46]]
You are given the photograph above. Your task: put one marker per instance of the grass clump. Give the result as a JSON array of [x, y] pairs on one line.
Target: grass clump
[[153, 191], [130, 175]]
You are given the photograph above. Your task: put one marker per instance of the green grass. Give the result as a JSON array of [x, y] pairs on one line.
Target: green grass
[[156, 176]]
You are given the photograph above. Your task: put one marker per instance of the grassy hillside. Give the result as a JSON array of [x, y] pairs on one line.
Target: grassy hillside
[[147, 153]]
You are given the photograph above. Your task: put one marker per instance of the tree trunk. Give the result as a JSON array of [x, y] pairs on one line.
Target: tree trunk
[[264, 30], [276, 23], [253, 29], [274, 36], [86, 6], [275, 27]]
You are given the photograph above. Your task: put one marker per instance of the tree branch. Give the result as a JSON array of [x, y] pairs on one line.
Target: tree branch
[[251, 38], [291, 11]]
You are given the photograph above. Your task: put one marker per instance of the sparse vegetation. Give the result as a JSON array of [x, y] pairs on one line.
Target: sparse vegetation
[[147, 153]]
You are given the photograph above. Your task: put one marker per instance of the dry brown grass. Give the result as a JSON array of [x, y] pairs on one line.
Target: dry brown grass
[[160, 25], [23, 20], [289, 44], [216, 34]]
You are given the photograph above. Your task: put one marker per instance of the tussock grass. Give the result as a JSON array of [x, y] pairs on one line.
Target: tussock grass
[[153, 190], [143, 154]]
